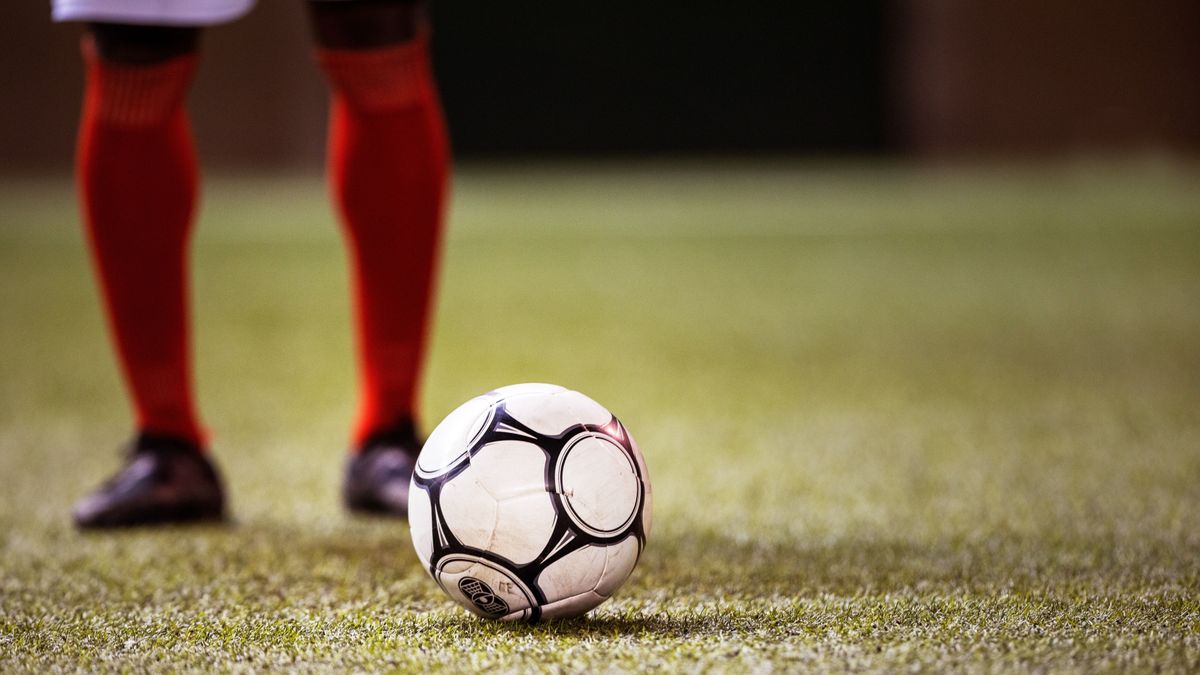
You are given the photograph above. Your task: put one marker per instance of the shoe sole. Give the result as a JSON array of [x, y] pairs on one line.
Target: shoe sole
[[185, 514]]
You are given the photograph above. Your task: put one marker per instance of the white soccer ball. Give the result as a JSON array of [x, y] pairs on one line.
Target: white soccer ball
[[530, 502]]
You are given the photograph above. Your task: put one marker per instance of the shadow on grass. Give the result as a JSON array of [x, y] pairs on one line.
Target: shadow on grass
[[713, 565], [684, 585]]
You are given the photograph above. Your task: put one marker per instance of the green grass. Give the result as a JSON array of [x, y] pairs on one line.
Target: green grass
[[893, 418]]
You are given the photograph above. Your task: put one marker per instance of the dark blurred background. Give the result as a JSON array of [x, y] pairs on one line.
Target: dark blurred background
[[926, 78]]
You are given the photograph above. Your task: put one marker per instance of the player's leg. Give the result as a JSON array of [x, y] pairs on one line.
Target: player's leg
[[388, 156], [137, 176], [137, 179]]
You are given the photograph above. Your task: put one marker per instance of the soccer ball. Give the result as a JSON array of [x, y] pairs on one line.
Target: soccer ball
[[530, 502]]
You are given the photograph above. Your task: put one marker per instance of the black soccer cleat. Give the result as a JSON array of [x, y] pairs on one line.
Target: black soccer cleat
[[167, 480], [379, 471]]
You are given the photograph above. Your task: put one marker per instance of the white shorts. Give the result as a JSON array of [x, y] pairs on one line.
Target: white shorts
[[153, 12]]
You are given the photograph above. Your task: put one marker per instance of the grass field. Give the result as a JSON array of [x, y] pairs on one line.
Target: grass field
[[893, 418]]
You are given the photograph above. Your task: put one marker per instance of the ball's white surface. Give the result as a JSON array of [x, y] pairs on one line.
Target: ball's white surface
[[522, 474]]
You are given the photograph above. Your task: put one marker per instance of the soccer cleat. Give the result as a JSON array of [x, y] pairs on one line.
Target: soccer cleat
[[379, 471], [167, 480]]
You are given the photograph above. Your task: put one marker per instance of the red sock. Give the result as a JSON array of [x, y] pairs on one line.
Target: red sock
[[388, 158], [137, 179]]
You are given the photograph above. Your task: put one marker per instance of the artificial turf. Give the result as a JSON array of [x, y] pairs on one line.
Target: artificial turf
[[943, 418]]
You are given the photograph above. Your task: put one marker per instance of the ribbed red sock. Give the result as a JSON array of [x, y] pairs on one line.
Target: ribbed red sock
[[137, 178], [388, 157]]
